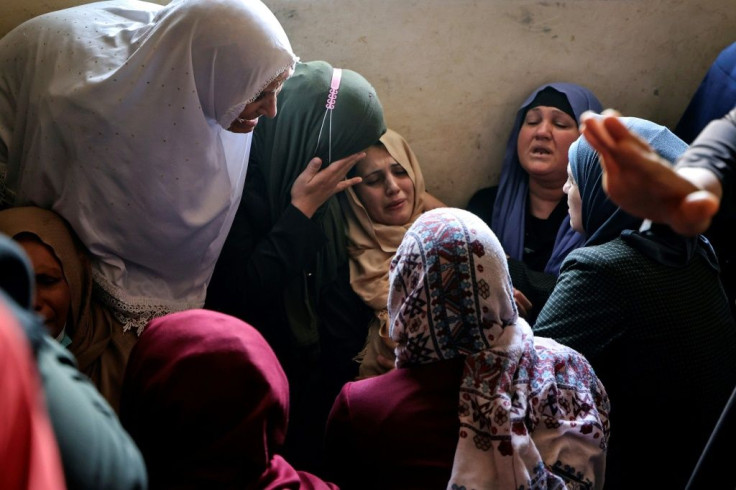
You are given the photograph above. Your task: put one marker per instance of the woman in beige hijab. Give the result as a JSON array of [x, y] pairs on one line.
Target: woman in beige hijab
[[378, 211], [97, 339]]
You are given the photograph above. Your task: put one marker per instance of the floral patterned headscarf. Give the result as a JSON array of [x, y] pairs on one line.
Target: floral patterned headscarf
[[532, 412]]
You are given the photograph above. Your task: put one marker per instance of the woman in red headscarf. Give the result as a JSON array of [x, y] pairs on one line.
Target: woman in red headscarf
[[206, 400]]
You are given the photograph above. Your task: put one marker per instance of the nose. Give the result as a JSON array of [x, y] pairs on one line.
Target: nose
[[37, 303], [268, 106], [544, 129], [392, 187]]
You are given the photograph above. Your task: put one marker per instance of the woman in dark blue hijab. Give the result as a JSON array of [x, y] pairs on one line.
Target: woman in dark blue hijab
[[527, 210]]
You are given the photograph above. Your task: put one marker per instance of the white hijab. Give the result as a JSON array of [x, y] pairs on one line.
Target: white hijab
[[113, 114]]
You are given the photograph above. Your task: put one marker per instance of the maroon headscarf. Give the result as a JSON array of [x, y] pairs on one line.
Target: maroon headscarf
[[206, 400]]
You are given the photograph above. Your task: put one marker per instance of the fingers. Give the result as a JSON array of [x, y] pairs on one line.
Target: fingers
[[607, 130], [312, 168], [695, 213], [346, 183], [621, 134], [599, 138], [610, 113], [340, 168]]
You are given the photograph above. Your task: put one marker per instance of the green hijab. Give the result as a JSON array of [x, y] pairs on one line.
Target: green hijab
[[283, 146]]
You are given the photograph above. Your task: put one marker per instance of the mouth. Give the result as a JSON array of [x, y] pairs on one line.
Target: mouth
[[241, 125], [395, 205], [540, 151]]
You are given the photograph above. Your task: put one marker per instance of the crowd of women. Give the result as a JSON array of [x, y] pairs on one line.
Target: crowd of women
[[195, 296]]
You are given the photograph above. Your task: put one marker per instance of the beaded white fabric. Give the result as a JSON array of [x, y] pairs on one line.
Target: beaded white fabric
[[113, 114]]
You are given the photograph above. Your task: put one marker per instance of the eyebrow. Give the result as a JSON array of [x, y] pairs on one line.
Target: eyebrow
[[380, 169]]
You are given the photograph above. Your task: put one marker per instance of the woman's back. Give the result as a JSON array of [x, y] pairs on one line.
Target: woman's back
[[660, 338]]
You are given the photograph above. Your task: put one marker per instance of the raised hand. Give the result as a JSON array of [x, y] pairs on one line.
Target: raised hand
[[314, 187], [644, 184]]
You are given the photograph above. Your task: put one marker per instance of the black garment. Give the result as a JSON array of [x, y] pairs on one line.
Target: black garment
[[527, 275], [258, 260]]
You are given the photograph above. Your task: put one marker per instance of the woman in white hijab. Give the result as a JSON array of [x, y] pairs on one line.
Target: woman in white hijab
[[122, 116]]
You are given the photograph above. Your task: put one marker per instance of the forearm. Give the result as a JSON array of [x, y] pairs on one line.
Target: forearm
[[431, 202], [256, 264], [711, 159]]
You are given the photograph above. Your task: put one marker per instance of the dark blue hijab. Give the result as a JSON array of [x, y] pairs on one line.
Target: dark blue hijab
[[509, 209]]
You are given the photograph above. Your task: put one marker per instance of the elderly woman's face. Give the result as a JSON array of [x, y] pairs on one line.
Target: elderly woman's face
[[387, 191], [264, 105], [544, 138], [53, 298]]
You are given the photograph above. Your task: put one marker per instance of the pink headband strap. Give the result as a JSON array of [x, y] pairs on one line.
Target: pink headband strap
[[334, 86]]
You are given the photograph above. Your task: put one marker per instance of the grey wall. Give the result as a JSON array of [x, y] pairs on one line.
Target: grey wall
[[451, 74]]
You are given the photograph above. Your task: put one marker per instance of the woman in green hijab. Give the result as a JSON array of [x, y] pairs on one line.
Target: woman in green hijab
[[284, 266]]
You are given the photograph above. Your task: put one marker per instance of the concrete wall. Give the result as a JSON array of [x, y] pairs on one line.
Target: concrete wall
[[452, 73]]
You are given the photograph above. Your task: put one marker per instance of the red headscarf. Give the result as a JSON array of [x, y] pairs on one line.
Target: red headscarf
[[206, 400]]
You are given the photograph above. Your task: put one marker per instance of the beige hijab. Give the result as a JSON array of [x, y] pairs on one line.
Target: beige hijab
[[371, 247], [98, 342]]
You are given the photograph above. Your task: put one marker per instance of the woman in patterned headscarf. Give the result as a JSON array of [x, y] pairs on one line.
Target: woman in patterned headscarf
[[532, 413]]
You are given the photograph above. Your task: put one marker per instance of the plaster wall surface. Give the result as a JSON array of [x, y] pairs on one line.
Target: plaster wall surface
[[452, 73]]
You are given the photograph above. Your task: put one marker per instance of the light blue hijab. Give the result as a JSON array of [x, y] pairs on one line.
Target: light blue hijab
[[603, 220], [509, 209]]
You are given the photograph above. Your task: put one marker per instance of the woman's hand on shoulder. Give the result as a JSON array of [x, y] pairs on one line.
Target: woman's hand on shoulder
[[431, 202], [314, 187]]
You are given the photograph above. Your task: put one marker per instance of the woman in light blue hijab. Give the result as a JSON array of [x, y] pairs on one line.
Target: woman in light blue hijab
[[646, 307]]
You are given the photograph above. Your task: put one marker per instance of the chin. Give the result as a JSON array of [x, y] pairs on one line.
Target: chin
[[395, 221]]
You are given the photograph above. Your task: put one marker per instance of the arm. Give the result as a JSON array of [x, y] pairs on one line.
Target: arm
[[710, 161], [259, 257], [314, 187], [95, 449], [431, 202], [645, 185], [29, 456]]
